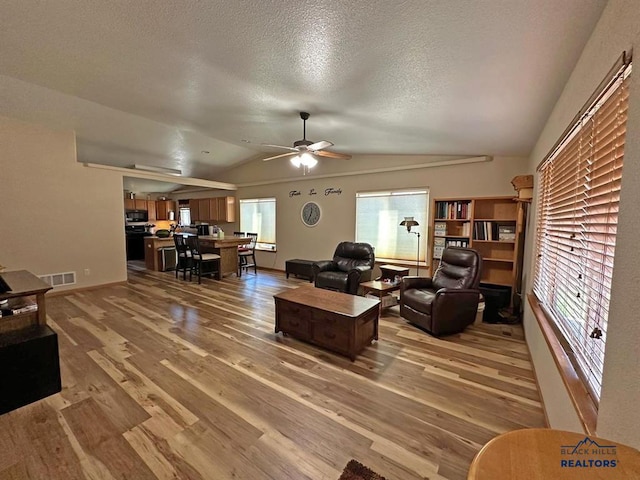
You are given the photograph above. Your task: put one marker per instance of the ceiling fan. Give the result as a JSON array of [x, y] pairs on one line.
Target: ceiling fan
[[304, 151]]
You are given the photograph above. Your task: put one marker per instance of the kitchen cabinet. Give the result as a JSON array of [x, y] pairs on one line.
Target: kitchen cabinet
[[138, 204], [213, 210], [204, 210], [163, 207], [194, 210], [151, 209], [225, 210]]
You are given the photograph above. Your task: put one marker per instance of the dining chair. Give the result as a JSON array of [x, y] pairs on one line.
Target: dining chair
[[203, 263], [247, 257]]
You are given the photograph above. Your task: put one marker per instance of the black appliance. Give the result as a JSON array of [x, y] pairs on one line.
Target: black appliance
[[135, 241], [136, 215], [203, 229]]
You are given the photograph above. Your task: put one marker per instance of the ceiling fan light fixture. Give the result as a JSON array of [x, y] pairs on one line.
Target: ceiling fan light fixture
[[304, 160], [305, 150], [308, 160]]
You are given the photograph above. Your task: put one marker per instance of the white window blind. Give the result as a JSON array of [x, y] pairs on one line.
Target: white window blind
[[184, 216], [578, 198], [258, 215], [378, 217]]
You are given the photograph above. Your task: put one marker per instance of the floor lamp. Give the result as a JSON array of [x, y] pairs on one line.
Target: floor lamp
[[410, 222]]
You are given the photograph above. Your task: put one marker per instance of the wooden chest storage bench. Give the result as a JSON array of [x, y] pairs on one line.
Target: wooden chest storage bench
[[339, 322]]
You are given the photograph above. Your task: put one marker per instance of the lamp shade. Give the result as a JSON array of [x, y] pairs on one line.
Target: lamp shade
[[304, 160], [409, 222], [308, 160], [295, 161]]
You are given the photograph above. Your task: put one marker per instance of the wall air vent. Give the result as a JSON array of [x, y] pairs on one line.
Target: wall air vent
[[59, 279]]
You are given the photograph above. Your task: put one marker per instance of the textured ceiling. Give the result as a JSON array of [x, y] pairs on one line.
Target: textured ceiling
[[158, 83]]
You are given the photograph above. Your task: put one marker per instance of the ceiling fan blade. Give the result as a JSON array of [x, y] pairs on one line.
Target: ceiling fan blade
[[280, 156], [279, 146], [319, 145], [326, 153]]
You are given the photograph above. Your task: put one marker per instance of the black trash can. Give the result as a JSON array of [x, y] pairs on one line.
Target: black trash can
[[496, 297]]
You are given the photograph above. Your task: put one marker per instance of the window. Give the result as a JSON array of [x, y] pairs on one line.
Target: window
[[378, 217], [578, 197], [258, 215], [184, 216]]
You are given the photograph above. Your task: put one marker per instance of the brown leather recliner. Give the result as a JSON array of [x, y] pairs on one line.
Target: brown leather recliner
[[352, 264], [447, 302]]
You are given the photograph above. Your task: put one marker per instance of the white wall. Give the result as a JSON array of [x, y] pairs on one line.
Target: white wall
[[618, 418], [57, 215], [295, 240]]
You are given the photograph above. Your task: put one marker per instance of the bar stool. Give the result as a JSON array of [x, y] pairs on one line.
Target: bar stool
[[247, 257], [183, 255], [203, 263]]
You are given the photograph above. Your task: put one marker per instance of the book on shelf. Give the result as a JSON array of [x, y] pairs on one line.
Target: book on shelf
[[18, 305], [484, 230], [437, 252], [446, 210]]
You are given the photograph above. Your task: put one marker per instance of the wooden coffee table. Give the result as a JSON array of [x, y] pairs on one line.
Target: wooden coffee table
[[339, 322]]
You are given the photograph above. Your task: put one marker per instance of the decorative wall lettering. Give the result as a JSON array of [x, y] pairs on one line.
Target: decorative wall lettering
[[332, 191], [313, 192], [294, 193]]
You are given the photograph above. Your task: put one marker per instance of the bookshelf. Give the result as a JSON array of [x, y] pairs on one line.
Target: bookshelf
[[490, 225]]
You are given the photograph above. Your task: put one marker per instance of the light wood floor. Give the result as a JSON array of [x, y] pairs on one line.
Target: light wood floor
[[168, 379]]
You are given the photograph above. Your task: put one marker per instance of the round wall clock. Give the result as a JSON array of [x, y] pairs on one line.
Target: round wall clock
[[311, 214]]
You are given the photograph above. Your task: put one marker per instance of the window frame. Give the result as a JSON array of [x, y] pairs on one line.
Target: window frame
[[570, 357], [262, 245], [424, 225]]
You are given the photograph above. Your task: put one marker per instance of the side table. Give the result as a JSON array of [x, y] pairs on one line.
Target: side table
[[382, 290], [391, 271]]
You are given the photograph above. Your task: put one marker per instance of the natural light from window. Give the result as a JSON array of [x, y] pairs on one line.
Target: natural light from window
[[378, 217], [258, 215]]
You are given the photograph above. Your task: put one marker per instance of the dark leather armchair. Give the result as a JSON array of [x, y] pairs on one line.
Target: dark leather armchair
[[352, 264], [447, 302]]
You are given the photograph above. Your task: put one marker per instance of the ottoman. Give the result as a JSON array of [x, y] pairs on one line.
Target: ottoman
[[299, 268]]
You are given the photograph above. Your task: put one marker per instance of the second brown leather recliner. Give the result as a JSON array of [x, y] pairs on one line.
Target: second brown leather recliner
[[447, 302]]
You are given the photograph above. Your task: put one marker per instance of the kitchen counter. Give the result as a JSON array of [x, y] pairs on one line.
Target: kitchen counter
[[226, 247], [152, 246]]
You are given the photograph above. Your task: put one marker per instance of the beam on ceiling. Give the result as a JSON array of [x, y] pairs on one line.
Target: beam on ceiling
[[163, 177]]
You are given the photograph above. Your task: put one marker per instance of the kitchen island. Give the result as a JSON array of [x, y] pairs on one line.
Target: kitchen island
[[152, 252], [227, 248]]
